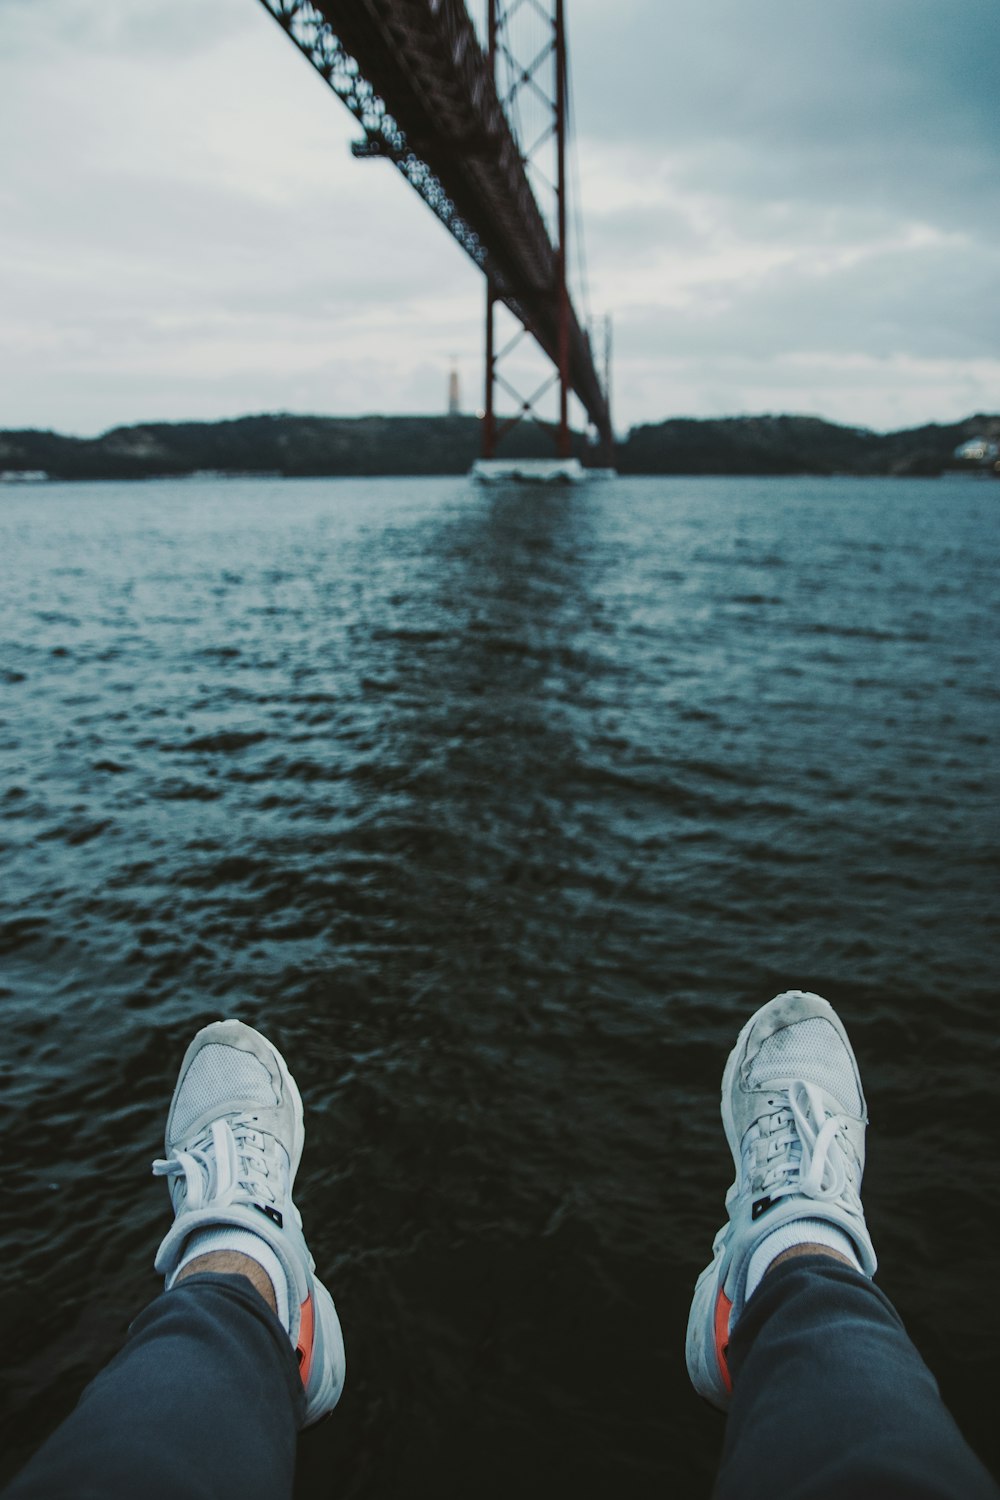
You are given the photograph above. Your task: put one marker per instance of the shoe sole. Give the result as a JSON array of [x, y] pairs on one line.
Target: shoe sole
[[700, 1351], [330, 1355], [299, 1136], [328, 1349]]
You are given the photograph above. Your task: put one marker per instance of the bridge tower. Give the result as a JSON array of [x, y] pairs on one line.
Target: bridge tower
[[542, 70]]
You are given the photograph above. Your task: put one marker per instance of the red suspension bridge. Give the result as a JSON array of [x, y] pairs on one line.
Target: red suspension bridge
[[477, 123]]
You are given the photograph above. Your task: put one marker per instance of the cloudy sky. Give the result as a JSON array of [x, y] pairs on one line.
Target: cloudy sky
[[790, 205]]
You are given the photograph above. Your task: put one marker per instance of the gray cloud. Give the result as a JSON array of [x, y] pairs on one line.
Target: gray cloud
[[870, 310], [891, 102], [80, 29]]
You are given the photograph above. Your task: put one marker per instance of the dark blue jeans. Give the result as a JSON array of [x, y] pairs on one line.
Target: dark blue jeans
[[831, 1402], [202, 1403]]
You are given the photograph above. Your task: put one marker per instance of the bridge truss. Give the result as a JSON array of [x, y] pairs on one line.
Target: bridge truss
[[438, 100]]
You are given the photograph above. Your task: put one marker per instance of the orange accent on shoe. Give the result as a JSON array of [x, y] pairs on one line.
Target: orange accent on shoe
[[306, 1343], [723, 1307]]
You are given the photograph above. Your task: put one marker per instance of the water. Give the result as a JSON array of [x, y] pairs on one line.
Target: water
[[499, 811]]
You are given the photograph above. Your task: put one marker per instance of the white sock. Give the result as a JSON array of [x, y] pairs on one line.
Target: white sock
[[798, 1232], [243, 1242]]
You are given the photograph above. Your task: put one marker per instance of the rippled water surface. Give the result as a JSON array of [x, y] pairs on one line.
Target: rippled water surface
[[499, 811]]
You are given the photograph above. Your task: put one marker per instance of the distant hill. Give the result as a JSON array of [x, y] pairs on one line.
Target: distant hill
[[795, 445], [299, 446], [277, 444]]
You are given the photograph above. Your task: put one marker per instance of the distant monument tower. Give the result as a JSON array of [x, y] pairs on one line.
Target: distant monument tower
[[454, 395]]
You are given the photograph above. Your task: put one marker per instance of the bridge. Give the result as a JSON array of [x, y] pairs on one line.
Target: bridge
[[452, 108]]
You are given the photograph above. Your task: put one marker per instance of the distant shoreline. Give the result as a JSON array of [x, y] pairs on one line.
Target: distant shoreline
[[285, 446]]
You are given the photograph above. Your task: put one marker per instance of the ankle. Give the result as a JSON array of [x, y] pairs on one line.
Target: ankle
[[232, 1263], [800, 1237], [794, 1251]]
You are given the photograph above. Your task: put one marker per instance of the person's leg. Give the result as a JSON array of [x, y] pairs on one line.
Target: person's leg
[[827, 1396], [204, 1400], [830, 1398], [245, 1345]]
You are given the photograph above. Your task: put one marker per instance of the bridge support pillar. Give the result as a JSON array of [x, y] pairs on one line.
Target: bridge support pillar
[[489, 411], [562, 292], [525, 76]]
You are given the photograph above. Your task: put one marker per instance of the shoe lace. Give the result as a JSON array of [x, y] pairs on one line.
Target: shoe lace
[[800, 1148], [229, 1164]]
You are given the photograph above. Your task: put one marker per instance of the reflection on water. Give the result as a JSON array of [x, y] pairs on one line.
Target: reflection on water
[[499, 811]]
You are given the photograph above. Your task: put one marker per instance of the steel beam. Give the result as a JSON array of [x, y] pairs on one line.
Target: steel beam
[[562, 291]]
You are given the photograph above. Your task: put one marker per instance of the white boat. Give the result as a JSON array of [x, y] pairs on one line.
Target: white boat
[[535, 471]]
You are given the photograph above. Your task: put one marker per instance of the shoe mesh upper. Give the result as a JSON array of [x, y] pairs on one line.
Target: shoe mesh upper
[[810, 1050], [217, 1075]]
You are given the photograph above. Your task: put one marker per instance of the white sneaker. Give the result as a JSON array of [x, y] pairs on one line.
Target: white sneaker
[[233, 1142], [795, 1119]]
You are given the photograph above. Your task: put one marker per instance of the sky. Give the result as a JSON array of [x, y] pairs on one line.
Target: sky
[[788, 206]]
